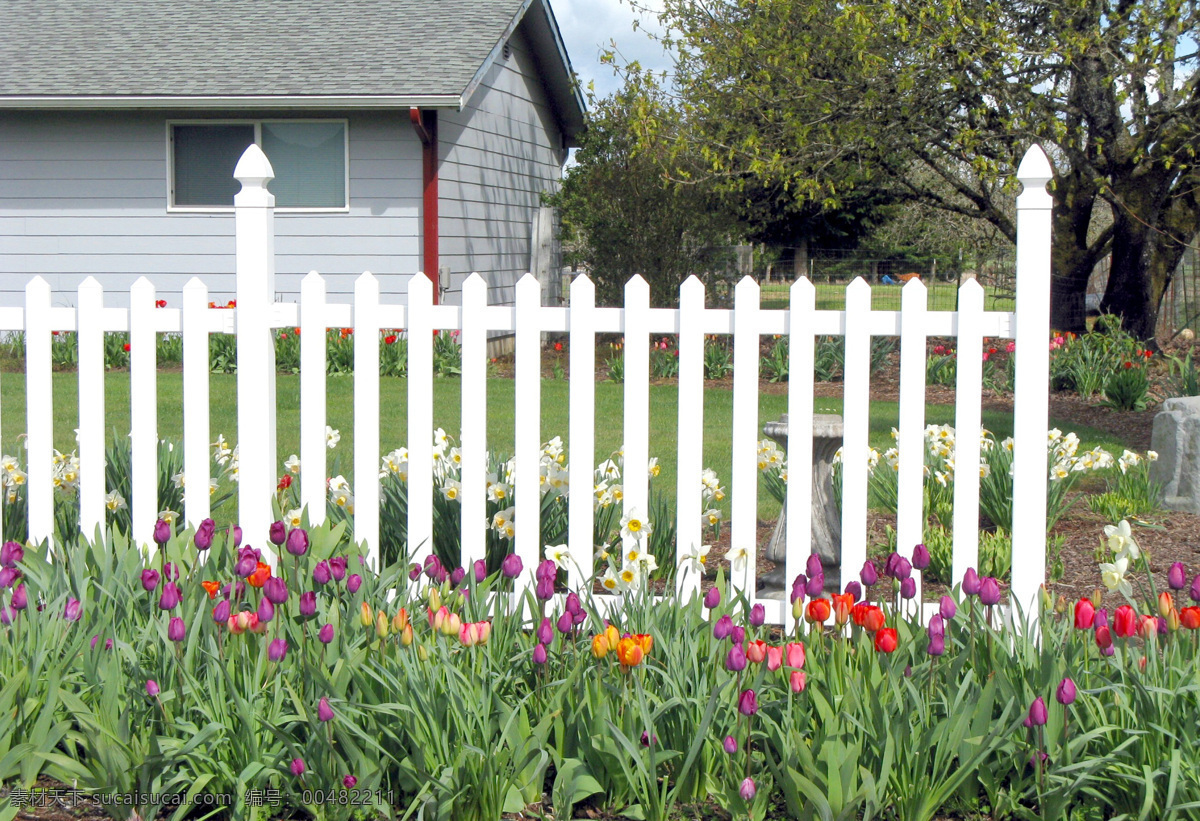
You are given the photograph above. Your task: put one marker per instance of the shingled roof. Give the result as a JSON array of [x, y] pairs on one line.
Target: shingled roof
[[298, 53]]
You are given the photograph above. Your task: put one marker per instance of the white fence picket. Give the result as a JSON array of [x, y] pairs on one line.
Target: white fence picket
[[744, 437], [801, 359], [527, 439], [581, 457], [689, 534], [635, 436], [856, 423], [143, 413], [197, 469], [967, 423], [419, 323], [366, 415], [39, 410], [910, 515], [313, 351], [1031, 394], [90, 342], [473, 494]]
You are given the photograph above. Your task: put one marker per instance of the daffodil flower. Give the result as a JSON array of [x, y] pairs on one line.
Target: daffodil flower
[[1120, 539], [1112, 574]]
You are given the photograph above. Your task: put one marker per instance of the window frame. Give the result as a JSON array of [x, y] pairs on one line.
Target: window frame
[[172, 208]]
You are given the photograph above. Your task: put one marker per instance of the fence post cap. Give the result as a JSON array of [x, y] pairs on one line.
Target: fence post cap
[[1035, 169], [253, 170]]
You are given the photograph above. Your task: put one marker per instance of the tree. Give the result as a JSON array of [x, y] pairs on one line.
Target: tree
[[826, 98], [624, 215]]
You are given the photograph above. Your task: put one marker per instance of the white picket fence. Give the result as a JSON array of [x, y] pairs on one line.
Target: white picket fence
[[256, 317]]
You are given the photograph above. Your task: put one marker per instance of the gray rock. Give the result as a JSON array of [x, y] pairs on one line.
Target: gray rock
[[1176, 437]]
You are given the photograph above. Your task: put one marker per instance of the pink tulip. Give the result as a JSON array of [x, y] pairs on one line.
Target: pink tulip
[[774, 658], [796, 681], [794, 654]]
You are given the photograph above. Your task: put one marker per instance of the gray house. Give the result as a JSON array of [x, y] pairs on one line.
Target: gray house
[[405, 136]]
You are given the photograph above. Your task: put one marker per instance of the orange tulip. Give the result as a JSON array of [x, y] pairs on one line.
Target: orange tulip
[[612, 637], [842, 602], [599, 646], [1165, 604], [874, 620], [756, 651], [400, 620], [818, 610], [629, 652], [260, 575], [646, 641], [212, 588]]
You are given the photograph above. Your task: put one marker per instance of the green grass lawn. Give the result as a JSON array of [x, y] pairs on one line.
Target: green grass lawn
[[447, 398], [831, 296]]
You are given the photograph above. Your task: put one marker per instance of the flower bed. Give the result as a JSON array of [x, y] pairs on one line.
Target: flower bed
[[205, 672]]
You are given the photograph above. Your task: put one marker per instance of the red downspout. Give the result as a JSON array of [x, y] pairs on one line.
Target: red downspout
[[425, 124]]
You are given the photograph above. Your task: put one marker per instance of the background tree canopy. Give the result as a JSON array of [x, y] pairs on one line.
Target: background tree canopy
[[935, 101]]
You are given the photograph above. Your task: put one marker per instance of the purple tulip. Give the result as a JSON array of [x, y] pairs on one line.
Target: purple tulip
[[266, 610], [970, 582], [578, 617], [937, 645], [221, 611], [325, 634], [349, 782], [948, 608], [908, 588], [95, 639], [1037, 713], [337, 568], [936, 626], [889, 564], [432, 566], [1162, 625], [170, 597], [7, 615], [868, 575], [354, 582], [152, 688], [19, 599], [480, 571], [920, 557], [1177, 576], [297, 763], [204, 534], [247, 562], [237, 537], [162, 532], [722, 627], [647, 739], [735, 661], [308, 604], [73, 610], [11, 553], [277, 534], [566, 623], [414, 572], [175, 629], [573, 604], [546, 569], [1194, 593], [747, 790], [855, 590], [989, 591], [747, 703], [539, 654], [108, 644], [545, 631], [1100, 619], [731, 745], [512, 566], [457, 575], [815, 586], [738, 635], [758, 615], [275, 589], [545, 589], [324, 711], [170, 572], [712, 598], [1065, 692], [277, 649], [902, 569], [8, 575], [798, 586], [149, 579], [813, 566], [321, 572], [297, 542]]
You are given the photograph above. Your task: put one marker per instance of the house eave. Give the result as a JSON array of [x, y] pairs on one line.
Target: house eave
[[225, 103]]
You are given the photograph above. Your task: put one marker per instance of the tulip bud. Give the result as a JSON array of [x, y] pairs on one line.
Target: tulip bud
[[539, 654], [735, 661], [277, 533], [480, 571], [796, 681], [920, 557], [1189, 617], [947, 608], [565, 623], [794, 654], [175, 629], [457, 575], [989, 591], [869, 575], [275, 589], [337, 568], [308, 604], [854, 589], [748, 703], [452, 625], [599, 646], [723, 627], [908, 588], [325, 634], [1097, 596], [365, 616], [435, 598], [11, 553], [774, 658], [1065, 692], [349, 782], [1060, 605], [406, 635], [799, 585], [324, 711], [381, 624], [297, 767], [422, 652], [731, 745], [1194, 592], [297, 542], [545, 631], [511, 567], [747, 790], [712, 598], [756, 651], [815, 586], [152, 688], [613, 637], [149, 580], [266, 610], [1177, 576], [1103, 637], [162, 532], [970, 582], [936, 626], [204, 534], [277, 650], [1037, 712], [20, 599], [321, 572], [937, 644], [1165, 604], [400, 620], [544, 590], [758, 615], [798, 608]]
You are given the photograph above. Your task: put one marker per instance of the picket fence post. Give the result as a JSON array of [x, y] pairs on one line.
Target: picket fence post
[[1031, 393], [91, 396], [39, 403], [254, 224]]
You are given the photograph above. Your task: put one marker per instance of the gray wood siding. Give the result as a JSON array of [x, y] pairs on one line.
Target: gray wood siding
[[497, 157], [86, 194]]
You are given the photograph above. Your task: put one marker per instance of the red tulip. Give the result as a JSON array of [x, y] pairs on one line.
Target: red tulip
[[818, 610], [1189, 617], [1124, 621], [874, 620], [1085, 614], [1103, 637], [886, 640]]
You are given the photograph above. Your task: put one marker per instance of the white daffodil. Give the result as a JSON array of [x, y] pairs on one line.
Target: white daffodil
[[114, 501], [1112, 574], [558, 554], [178, 479], [738, 557], [338, 483], [451, 490], [634, 527], [712, 516], [292, 465], [293, 518], [653, 468], [498, 492], [1120, 540], [695, 562], [332, 437], [609, 581]]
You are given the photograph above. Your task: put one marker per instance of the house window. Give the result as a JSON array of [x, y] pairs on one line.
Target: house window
[[308, 157]]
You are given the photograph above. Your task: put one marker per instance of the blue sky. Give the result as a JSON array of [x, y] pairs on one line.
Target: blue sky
[[590, 27]]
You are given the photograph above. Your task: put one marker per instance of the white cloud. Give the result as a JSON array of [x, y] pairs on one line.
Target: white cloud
[[591, 27]]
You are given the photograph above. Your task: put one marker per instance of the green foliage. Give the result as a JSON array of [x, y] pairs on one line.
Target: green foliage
[[1184, 376], [1127, 388], [718, 358]]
